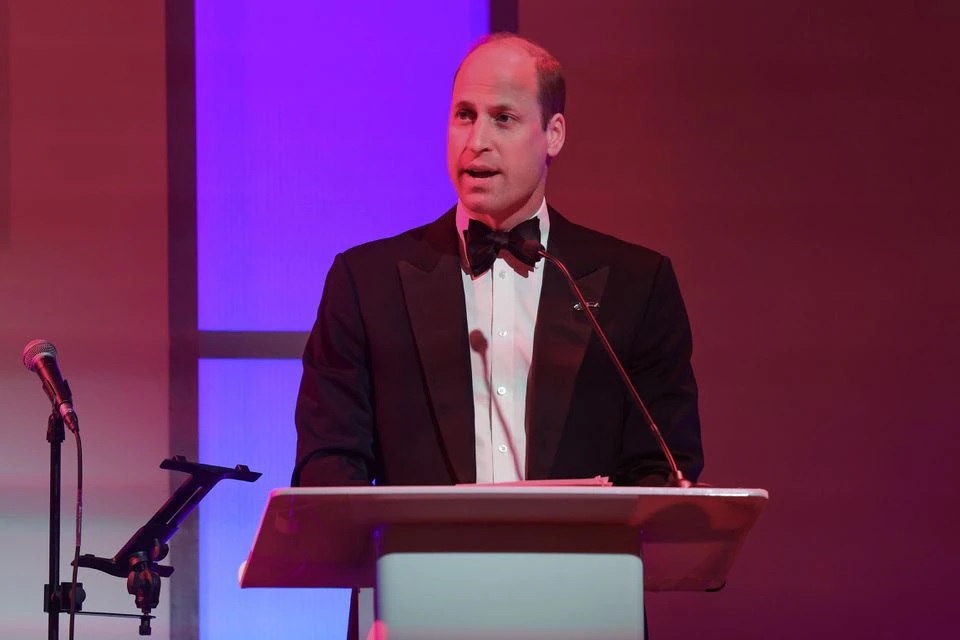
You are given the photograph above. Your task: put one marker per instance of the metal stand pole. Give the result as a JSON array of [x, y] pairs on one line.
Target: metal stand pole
[[51, 592]]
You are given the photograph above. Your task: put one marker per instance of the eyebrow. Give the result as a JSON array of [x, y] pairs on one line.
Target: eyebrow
[[503, 106]]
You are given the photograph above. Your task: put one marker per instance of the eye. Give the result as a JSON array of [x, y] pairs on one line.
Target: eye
[[463, 115], [503, 118]]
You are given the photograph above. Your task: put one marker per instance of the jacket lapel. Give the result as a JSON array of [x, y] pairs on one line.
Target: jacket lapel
[[560, 342], [433, 292]]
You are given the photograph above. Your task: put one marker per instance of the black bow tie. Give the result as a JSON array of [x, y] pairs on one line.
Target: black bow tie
[[484, 244]]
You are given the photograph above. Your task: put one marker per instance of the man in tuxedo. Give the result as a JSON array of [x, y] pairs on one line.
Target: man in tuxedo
[[448, 354]]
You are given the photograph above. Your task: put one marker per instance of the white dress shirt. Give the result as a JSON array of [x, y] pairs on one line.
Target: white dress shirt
[[501, 306]]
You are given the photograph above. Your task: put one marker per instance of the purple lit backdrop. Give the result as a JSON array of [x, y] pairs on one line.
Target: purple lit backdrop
[[319, 126], [246, 415]]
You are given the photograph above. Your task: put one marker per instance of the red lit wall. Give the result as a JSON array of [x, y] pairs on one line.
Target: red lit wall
[[799, 163], [84, 265]]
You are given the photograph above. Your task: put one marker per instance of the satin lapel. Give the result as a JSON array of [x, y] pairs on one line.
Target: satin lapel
[[433, 292], [560, 343]]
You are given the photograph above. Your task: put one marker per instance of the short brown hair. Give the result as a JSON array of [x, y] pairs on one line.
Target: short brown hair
[[551, 85]]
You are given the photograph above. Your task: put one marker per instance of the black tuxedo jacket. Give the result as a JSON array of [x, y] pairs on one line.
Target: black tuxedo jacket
[[387, 397]]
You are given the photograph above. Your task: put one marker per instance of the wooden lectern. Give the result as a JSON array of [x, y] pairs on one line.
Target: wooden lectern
[[484, 562]]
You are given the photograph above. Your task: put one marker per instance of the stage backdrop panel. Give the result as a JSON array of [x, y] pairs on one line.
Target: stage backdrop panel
[[320, 125]]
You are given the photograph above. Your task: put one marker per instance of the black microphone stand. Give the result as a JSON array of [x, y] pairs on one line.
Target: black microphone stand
[[53, 591]]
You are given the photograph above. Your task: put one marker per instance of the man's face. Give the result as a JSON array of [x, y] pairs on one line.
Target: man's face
[[497, 148]]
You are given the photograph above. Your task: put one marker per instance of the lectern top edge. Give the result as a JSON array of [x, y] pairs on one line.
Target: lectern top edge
[[540, 490]]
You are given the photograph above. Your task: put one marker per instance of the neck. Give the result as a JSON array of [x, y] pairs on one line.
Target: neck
[[506, 221]]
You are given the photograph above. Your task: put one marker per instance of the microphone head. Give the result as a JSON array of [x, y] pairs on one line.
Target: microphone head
[[478, 342], [35, 350]]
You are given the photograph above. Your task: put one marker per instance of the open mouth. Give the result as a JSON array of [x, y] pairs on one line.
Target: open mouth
[[480, 173]]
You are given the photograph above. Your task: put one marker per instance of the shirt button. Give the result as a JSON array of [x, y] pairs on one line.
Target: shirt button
[[501, 391], [502, 448], [502, 333], [503, 274]]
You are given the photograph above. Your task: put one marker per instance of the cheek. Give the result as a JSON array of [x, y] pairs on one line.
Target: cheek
[[453, 157], [456, 136], [452, 152], [527, 165]]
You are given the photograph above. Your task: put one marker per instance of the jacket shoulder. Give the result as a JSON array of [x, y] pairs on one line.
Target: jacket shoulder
[[596, 247], [440, 235]]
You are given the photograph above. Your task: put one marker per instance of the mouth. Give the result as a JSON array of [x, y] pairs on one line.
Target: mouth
[[479, 173]]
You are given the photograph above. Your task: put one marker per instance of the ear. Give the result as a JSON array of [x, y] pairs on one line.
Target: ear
[[556, 134]]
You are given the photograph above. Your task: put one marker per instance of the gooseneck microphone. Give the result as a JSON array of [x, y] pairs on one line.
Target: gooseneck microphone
[[40, 356], [534, 250]]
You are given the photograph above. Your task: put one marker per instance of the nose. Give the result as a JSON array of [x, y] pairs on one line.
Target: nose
[[478, 140]]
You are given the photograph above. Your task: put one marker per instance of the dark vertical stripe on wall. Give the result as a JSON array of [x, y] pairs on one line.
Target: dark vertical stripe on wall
[[182, 283], [6, 200], [504, 16]]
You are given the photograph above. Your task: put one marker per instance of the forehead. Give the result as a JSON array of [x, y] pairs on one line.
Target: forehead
[[501, 70]]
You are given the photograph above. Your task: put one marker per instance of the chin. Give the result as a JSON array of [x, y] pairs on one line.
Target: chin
[[479, 204]]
